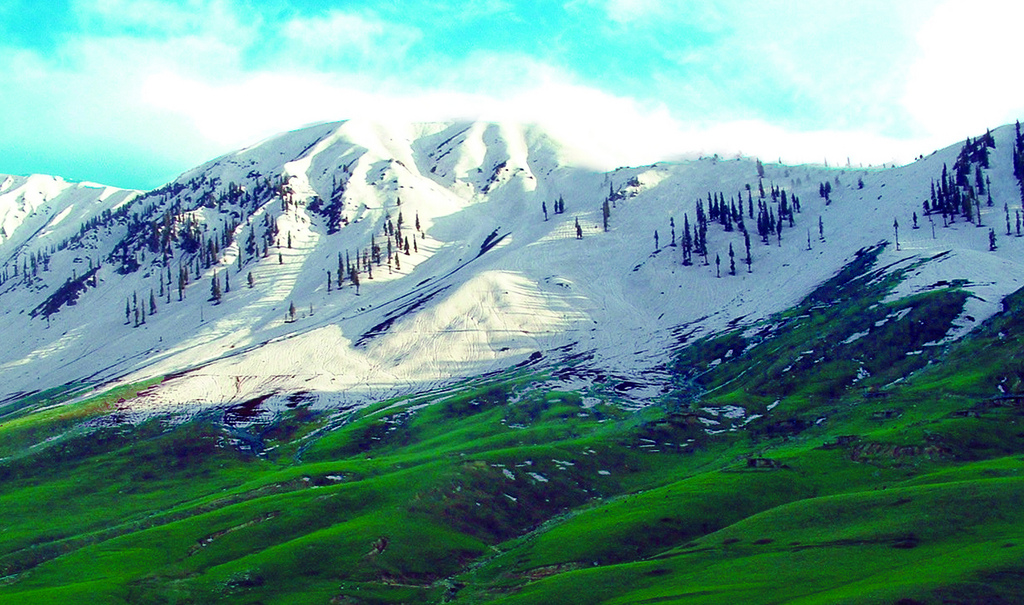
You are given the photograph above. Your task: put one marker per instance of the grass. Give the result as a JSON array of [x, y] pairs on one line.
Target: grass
[[877, 477]]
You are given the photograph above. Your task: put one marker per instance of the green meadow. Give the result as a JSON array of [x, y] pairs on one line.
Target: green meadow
[[841, 452]]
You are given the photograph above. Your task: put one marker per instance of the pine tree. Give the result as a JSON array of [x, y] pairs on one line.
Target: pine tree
[[749, 260], [152, 302], [127, 311], [353, 276], [605, 213], [215, 288], [718, 265], [732, 260], [252, 282], [991, 239], [291, 310]]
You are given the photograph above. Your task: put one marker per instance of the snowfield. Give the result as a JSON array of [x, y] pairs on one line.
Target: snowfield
[[488, 281]]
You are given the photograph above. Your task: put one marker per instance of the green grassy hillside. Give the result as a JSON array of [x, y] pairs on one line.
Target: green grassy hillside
[[834, 454]]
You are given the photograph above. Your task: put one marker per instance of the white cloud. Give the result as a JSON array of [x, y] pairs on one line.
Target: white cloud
[[174, 80], [340, 35], [964, 79], [163, 18]]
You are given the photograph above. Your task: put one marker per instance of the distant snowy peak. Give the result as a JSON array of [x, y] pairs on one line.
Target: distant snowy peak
[[47, 209]]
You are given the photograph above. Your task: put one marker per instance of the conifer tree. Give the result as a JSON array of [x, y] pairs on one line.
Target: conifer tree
[[215, 288], [749, 260], [687, 242], [291, 310], [252, 282], [152, 303], [353, 276], [605, 213], [718, 265], [732, 260]]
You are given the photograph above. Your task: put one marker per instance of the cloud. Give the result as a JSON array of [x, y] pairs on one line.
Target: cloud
[[963, 80], [632, 81], [362, 40]]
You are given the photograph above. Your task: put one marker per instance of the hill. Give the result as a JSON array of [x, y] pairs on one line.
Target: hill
[[513, 414]]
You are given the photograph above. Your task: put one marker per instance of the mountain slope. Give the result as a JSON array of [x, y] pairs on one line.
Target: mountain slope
[[487, 282]]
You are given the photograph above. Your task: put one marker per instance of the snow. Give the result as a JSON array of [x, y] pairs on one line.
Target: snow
[[609, 302], [855, 337], [538, 477]]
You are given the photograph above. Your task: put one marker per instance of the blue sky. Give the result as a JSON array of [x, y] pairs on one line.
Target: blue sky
[[133, 92]]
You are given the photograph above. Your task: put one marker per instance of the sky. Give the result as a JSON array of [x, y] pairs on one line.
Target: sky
[[133, 92]]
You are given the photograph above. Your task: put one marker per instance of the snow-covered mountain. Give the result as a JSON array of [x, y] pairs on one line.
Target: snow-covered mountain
[[460, 269]]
